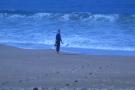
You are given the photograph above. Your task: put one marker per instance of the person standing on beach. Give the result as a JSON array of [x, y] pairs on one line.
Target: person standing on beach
[[58, 41]]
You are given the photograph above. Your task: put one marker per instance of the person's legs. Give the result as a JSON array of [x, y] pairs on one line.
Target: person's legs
[[58, 48]]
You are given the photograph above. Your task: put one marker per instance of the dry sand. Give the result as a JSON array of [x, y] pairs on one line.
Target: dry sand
[[27, 68]]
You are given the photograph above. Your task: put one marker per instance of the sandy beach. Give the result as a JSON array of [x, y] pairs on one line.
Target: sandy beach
[[44, 69]]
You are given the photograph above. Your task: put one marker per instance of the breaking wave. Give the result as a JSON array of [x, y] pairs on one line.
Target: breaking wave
[[79, 29]]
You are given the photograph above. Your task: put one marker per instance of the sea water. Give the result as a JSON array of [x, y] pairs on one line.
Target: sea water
[[81, 30]]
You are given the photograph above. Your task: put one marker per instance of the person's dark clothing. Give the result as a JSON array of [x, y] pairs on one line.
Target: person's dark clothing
[[57, 42], [58, 38], [58, 48]]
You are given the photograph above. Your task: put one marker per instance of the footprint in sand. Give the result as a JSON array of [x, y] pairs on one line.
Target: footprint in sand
[[46, 74], [57, 72], [82, 67], [100, 67], [90, 73], [20, 81], [84, 89], [86, 77], [4, 83], [107, 66], [67, 84], [88, 64]]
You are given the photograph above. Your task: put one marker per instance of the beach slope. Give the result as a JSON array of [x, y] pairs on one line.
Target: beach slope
[[28, 68]]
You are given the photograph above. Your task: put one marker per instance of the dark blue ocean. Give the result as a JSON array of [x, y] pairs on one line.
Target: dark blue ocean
[[85, 25]]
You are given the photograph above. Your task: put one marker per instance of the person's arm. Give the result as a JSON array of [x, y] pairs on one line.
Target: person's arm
[[61, 39], [55, 41]]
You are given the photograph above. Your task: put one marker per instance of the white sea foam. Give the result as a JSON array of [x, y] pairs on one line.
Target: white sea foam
[[42, 15], [65, 16], [79, 30]]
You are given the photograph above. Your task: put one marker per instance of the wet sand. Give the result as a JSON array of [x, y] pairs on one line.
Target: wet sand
[[28, 68]]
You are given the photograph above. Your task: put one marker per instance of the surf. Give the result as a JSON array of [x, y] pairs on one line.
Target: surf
[[79, 30]]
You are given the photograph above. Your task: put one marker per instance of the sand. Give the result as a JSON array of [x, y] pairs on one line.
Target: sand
[[24, 69]]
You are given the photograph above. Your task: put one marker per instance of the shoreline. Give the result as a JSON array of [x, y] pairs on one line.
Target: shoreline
[[99, 52], [82, 51], [27, 68]]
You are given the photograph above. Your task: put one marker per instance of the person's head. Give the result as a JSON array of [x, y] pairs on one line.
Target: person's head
[[58, 31]]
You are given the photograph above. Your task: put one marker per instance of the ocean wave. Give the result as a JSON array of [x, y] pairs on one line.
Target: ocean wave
[[65, 16], [79, 29]]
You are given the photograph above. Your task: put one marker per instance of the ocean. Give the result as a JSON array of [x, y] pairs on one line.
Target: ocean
[[84, 30]]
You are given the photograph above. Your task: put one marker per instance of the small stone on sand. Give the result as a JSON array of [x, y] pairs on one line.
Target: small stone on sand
[[35, 88], [76, 81]]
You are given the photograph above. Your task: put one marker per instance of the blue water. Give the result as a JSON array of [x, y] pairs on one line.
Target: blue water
[[90, 25], [94, 6]]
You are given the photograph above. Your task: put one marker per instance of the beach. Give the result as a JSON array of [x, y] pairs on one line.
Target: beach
[[26, 69], [96, 39]]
